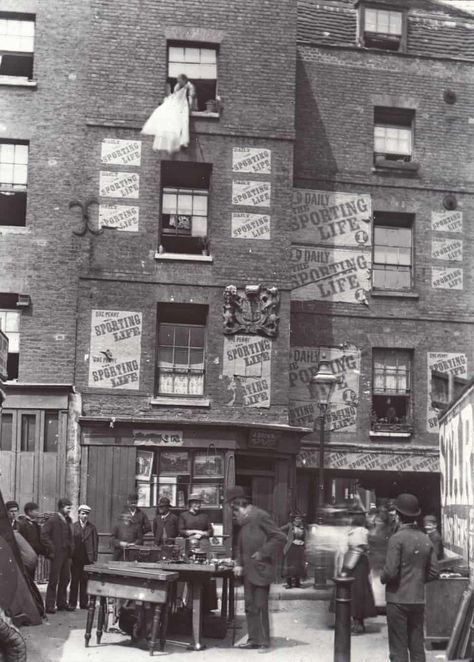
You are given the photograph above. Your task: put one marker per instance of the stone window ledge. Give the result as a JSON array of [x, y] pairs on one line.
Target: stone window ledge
[[204, 114], [395, 294], [170, 401], [399, 435], [184, 257], [17, 81]]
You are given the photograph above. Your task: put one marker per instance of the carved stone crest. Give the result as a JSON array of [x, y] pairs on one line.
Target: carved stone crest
[[254, 309]]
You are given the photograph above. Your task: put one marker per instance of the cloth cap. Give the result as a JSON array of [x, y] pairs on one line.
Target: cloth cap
[[430, 518], [195, 496], [85, 508], [11, 504], [164, 501], [31, 505], [407, 504], [236, 492]]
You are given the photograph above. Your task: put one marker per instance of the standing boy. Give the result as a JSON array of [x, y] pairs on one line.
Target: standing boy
[[86, 550]]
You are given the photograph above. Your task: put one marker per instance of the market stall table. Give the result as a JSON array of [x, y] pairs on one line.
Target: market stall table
[[129, 581]]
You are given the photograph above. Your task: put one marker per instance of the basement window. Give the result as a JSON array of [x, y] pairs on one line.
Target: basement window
[[13, 182], [391, 390], [393, 134], [199, 63], [17, 36], [382, 28]]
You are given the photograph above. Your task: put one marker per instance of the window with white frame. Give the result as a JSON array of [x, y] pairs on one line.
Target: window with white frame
[[17, 37], [181, 349], [392, 264], [184, 207], [382, 28], [10, 325], [13, 182], [393, 134], [391, 387], [197, 62]]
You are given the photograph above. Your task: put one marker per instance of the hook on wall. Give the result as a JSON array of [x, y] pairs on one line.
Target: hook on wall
[[84, 207]]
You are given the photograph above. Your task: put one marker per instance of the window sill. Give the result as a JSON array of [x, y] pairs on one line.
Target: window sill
[[400, 435], [171, 401], [17, 81], [186, 257], [205, 114], [402, 168], [395, 294]]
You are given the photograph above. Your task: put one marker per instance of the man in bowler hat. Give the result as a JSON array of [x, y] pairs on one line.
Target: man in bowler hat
[[259, 539], [410, 562], [165, 524]]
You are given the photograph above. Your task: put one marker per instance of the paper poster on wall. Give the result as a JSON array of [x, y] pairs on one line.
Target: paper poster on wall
[[251, 193], [122, 217], [119, 184], [447, 279], [446, 249], [365, 461], [251, 159], [330, 274], [451, 363], [250, 226], [114, 360], [446, 221], [345, 364], [332, 218], [246, 370], [121, 152]]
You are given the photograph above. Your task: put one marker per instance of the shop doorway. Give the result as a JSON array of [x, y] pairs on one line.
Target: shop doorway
[[257, 476]]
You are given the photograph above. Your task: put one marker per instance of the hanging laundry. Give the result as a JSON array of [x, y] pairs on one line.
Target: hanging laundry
[[169, 123]]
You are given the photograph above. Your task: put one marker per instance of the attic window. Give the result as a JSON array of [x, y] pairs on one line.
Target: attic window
[[382, 28]]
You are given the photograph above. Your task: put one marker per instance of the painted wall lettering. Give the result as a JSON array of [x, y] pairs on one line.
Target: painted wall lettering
[[250, 226], [449, 363], [446, 249], [446, 221], [121, 152], [447, 279], [251, 193], [119, 184], [122, 217], [251, 159]]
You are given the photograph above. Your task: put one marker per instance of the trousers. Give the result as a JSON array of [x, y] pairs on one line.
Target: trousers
[[256, 612], [405, 632], [78, 585], [59, 575]]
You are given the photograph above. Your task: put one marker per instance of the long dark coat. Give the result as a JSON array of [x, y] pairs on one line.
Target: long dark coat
[[56, 534], [159, 525], [86, 543], [259, 533]]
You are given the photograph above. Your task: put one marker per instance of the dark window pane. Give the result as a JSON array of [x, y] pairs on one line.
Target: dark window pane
[[28, 432], [166, 335], [51, 432], [181, 356], [15, 64], [182, 336], [197, 336], [12, 366], [12, 208], [165, 355], [6, 432], [197, 356]]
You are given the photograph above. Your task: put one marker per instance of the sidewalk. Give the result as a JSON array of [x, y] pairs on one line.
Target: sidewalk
[[299, 627]]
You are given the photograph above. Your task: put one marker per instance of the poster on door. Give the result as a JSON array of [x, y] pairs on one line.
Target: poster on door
[[447, 279], [251, 193], [252, 159], [450, 363], [122, 217], [329, 218], [119, 184], [330, 274], [121, 152], [250, 226], [446, 249], [345, 365], [115, 349], [246, 370], [446, 221]]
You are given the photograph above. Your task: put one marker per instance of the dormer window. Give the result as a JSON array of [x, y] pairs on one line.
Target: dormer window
[[382, 28]]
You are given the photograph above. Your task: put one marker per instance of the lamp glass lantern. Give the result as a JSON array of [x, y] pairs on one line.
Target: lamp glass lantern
[[322, 385]]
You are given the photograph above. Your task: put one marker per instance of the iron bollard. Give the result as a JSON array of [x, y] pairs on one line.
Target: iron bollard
[[342, 631]]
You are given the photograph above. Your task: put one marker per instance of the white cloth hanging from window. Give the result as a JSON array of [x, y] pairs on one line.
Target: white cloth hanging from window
[[169, 123]]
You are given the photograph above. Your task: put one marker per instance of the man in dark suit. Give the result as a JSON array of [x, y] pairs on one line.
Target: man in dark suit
[[410, 563], [259, 540], [30, 529], [125, 534], [86, 550], [57, 535], [165, 524], [137, 514], [430, 525]]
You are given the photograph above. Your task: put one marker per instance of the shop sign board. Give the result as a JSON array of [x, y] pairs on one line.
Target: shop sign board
[[369, 461], [263, 439], [165, 438], [449, 363], [246, 370], [252, 159], [121, 152]]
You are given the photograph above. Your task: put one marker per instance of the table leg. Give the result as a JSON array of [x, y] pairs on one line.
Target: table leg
[[231, 598], [165, 615], [101, 619], [154, 627], [224, 597], [197, 587], [90, 619]]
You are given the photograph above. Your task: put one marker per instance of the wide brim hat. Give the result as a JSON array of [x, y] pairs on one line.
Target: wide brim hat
[[236, 492], [408, 505]]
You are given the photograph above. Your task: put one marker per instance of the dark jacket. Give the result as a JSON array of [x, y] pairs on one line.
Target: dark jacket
[[86, 543], [31, 532], [125, 533], [437, 543], [169, 524], [56, 535], [289, 531], [199, 521], [140, 518], [410, 563], [259, 533]]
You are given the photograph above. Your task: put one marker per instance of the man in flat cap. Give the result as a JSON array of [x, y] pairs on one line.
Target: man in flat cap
[[165, 524], [12, 512], [259, 540], [86, 550]]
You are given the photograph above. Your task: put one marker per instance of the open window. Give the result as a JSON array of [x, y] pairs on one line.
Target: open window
[[184, 207], [391, 390], [13, 182], [181, 349], [382, 28], [199, 63], [10, 325], [392, 265], [393, 134], [17, 36]]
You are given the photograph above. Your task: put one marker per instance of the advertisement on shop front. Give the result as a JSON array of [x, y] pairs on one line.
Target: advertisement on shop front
[[446, 249], [250, 226], [329, 218], [456, 436], [370, 461], [450, 363], [121, 152], [345, 364], [115, 349], [447, 279], [330, 274], [251, 193], [446, 221], [119, 184], [252, 159], [246, 370], [121, 217]]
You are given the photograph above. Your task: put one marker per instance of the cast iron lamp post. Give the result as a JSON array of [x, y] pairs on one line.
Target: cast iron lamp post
[[321, 386]]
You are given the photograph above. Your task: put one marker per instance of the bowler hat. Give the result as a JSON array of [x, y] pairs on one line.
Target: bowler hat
[[407, 504], [164, 501], [236, 492], [195, 496]]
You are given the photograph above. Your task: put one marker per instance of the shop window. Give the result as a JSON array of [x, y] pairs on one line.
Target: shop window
[[10, 325], [6, 431], [184, 207], [28, 432], [391, 390], [393, 134], [181, 349], [382, 28], [199, 63], [13, 182], [51, 431], [17, 36], [393, 251]]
